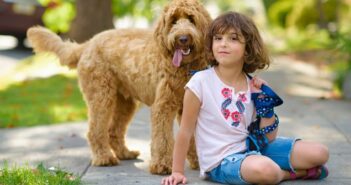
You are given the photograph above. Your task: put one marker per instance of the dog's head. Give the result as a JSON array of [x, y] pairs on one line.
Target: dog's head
[[180, 32]]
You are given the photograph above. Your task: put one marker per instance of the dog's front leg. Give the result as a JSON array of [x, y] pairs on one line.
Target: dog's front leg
[[122, 115], [163, 112]]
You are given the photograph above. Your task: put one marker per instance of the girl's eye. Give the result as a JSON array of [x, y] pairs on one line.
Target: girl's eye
[[234, 38], [217, 38]]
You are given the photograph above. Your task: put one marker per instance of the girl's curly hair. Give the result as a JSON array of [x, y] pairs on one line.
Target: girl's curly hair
[[256, 55]]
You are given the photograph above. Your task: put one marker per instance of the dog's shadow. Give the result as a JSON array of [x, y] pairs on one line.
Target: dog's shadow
[[134, 172], [129, 171]]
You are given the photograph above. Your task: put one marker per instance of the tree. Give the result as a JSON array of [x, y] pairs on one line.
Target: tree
[[84, 18], [92, 16]]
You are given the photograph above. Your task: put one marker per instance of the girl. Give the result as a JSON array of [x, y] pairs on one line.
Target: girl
[[233, 117]]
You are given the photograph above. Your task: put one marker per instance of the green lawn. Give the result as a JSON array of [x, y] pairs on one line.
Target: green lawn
[[36, 176], [37, 100]]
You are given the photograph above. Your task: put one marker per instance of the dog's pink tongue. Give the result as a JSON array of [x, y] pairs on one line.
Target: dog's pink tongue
[[177, 58]]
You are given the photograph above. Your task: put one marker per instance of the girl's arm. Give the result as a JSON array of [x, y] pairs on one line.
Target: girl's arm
[[191, 108]]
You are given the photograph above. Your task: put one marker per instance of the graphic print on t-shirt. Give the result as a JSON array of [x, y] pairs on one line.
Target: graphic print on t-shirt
[[236, 115]]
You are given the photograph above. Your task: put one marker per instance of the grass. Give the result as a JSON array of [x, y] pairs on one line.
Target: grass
[[340, 69], [37, 176], [37, 100]]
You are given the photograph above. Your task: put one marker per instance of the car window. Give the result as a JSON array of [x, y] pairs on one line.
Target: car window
[[31, 2]]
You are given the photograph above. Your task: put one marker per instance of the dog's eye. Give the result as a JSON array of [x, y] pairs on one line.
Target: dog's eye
[[174, 21], [191, 19]]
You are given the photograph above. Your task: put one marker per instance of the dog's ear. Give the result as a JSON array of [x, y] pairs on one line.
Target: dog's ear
[[160, 31], [203, 18]]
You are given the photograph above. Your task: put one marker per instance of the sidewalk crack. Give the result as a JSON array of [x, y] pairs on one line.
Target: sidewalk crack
[[85, 170]]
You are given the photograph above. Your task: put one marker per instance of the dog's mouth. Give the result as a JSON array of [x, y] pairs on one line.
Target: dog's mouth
[[179, 53], [185, 52]]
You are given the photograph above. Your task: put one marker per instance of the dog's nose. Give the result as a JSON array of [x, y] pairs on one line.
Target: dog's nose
[[183, 39]]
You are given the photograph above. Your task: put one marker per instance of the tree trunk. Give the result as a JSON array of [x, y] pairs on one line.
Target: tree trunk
[[322, 23], [92, 17]]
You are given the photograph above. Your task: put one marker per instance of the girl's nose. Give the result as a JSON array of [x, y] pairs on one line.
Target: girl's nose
[[223, 42]]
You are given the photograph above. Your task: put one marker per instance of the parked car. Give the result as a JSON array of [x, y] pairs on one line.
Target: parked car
[[16, 16]]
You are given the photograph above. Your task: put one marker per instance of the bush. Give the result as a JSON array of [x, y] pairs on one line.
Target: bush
[[343, 66]]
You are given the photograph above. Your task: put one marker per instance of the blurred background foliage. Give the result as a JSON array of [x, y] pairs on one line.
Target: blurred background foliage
[[137, 8], [302, 28], [298, 24], [60, 13], [314, 31]]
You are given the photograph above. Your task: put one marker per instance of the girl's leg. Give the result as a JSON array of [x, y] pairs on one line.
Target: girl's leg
[[299, 156], [306, 155], [257, 169]]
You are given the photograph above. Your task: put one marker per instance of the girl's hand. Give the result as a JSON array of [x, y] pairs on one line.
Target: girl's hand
[[256, 84], [174, 179]]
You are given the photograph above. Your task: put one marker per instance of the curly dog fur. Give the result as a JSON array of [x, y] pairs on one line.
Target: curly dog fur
[[119, 68]]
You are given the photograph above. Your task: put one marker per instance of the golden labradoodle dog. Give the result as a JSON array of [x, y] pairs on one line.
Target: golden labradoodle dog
[[119, 68]]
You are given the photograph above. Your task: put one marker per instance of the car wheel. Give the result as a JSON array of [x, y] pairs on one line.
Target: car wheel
[[20, 43]]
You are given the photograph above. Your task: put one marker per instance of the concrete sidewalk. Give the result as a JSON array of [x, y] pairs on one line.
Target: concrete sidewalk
[[305, 114]]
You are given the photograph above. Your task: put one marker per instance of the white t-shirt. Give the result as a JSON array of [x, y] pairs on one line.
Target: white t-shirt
[[223, 119]]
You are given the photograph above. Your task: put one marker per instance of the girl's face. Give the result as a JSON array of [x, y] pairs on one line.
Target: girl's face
[[229, 48]]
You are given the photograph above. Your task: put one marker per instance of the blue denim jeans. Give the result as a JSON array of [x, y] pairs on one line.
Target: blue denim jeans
[[228, 171]]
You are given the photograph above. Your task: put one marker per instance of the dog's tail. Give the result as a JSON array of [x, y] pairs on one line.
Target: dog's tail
[[43, 39]]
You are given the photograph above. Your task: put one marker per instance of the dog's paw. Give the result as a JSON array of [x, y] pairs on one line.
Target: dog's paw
[[105, 160], [161, 169], [193, 162], [127, 155], [194, 165]]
